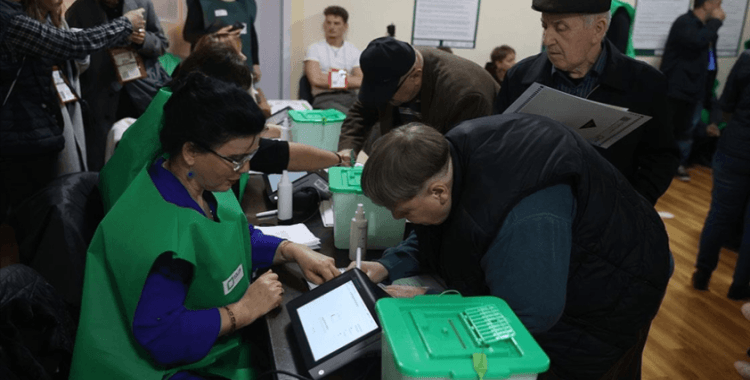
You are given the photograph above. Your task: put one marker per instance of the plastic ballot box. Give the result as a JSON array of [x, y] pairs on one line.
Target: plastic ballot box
[[382, 230], [455, 337], [319, 128]]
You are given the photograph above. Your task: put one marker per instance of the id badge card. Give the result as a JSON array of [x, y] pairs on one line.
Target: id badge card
[[220, 13], [337, 79], [64, 92], [128, 64]]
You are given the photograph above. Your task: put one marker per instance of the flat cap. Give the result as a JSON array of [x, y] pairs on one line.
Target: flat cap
[[571, 6]]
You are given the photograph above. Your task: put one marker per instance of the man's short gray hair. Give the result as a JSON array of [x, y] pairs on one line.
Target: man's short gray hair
[[402, 162], [590, 19]]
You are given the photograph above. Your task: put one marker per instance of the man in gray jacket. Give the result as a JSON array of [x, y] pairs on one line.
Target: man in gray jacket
[[403, 84]]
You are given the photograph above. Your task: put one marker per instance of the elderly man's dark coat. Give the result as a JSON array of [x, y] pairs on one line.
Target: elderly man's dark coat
[[648, 157]]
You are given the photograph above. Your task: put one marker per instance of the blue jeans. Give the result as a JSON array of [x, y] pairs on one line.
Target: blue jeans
[[685, 138], [730, 209]]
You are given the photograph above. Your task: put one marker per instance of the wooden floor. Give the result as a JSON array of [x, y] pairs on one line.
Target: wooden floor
[[696, 335]]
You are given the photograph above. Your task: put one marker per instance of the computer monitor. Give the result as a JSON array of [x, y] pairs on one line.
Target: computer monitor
[[336, 322]]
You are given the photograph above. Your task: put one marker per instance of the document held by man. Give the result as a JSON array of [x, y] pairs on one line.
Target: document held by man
[[600, 124]]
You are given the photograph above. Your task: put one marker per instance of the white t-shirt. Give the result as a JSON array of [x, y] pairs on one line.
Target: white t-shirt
[[346, 57]]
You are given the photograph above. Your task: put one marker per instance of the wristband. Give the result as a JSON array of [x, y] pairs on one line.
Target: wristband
[[341, 159], [234, 320]]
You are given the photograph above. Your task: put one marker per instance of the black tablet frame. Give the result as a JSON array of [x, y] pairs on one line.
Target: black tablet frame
[[369, 343]]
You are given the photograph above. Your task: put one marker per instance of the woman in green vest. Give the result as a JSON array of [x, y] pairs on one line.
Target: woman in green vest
[[167, 285]]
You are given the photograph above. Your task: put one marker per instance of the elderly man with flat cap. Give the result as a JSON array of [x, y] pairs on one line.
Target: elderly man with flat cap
[[579, 60], [403, 84]]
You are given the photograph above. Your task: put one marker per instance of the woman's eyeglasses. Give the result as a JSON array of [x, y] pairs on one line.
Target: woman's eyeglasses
[[236, 165]]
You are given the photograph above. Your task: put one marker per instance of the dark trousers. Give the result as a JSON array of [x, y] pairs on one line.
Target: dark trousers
[[730, 208], [25, 175], [683, 119]]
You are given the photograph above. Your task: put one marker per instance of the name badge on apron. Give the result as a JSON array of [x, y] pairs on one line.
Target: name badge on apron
[[221, 13], [62, 86], [128, 64]]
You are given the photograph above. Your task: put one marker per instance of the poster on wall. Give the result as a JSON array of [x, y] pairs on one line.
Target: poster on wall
[[450, 23], [654, 18]]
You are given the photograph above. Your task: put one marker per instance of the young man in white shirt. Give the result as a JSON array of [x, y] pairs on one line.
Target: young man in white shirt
[[332, 65]]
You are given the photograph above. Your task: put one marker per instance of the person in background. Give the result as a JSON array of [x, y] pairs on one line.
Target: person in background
[[31, 127], [446, 49], [184, 252], [579, 61], [730, 197], [522, 208], [139, 145], [403, 84], [108, 99], [620, 31], [73, 156], [325, 58], [225, 16], [501, 60], [689, 56]]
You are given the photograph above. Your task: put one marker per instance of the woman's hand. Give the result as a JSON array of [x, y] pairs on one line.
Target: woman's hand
[[373, 269], [136, 18], [316, 267], [138, 36], [404, 291], [263, 295]]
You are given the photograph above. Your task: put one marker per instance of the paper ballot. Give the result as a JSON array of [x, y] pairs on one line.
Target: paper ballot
[[600, 124], [297, 233]]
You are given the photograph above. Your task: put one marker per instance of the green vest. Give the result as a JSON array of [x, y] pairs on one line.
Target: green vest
[[140, 227], [617, 4], [137, 149], [227, 13]]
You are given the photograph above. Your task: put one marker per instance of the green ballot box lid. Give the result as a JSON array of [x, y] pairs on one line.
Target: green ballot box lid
[[455, 337], [345, 180], [322, 117]]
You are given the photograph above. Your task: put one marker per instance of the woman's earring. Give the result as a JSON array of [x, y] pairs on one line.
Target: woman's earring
[[190, 174]]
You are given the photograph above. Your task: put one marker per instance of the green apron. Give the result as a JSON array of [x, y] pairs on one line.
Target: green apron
[[140, 227], [616, 4], [226, 13], [137, 149]]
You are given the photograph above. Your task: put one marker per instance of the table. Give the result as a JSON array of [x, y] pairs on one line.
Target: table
[[283, 346]]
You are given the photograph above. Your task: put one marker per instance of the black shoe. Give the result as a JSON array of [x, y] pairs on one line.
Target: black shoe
[[701, 277], [738, 292], [683, 174]]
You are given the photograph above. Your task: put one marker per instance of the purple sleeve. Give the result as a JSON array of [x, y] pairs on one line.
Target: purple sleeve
[[264, 247], [168, 331]]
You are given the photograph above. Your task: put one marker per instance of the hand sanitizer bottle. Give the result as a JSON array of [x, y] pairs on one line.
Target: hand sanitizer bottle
[[358, 233], [285, 199]]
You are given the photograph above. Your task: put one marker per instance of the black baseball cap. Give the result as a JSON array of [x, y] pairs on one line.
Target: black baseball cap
[[571, 6], [383, 63]]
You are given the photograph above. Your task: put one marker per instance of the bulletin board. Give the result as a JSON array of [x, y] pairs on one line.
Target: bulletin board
[[450, 23], [654, 18]]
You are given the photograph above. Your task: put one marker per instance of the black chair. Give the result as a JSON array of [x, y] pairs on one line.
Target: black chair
[[54, 228], [305, 90]]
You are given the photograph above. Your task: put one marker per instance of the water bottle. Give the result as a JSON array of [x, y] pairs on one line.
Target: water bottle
[[358, 232], [284, 202]]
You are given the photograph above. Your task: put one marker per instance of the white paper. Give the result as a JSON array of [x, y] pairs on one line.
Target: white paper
[[452, 21], [296, 233], [335, 320], [312, 286], [730, 33], [653, 19], [337, 78], [600, 124], [326, 213], [220, 12], [298, 105]]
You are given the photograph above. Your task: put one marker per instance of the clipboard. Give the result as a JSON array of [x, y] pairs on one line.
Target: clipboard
[[128, 64], [64, 90]]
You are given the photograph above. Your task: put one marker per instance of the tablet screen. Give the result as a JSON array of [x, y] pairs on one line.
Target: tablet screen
[[335, 319]]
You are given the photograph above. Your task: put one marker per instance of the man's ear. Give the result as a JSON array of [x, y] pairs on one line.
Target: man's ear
[[601, 27], [440, 191]]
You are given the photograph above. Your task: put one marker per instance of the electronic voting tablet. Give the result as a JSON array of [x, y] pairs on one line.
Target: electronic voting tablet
[[336, 322]]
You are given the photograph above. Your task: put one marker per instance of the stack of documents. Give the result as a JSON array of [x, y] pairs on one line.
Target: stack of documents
[[297, 233]]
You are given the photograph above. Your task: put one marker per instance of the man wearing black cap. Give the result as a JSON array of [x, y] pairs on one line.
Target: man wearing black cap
[[403, 84], [579, 61]]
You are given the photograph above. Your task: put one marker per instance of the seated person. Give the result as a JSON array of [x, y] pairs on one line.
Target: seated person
[[168, 273], [502, 59], [329, 55], [522, 208], [139, 145]]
